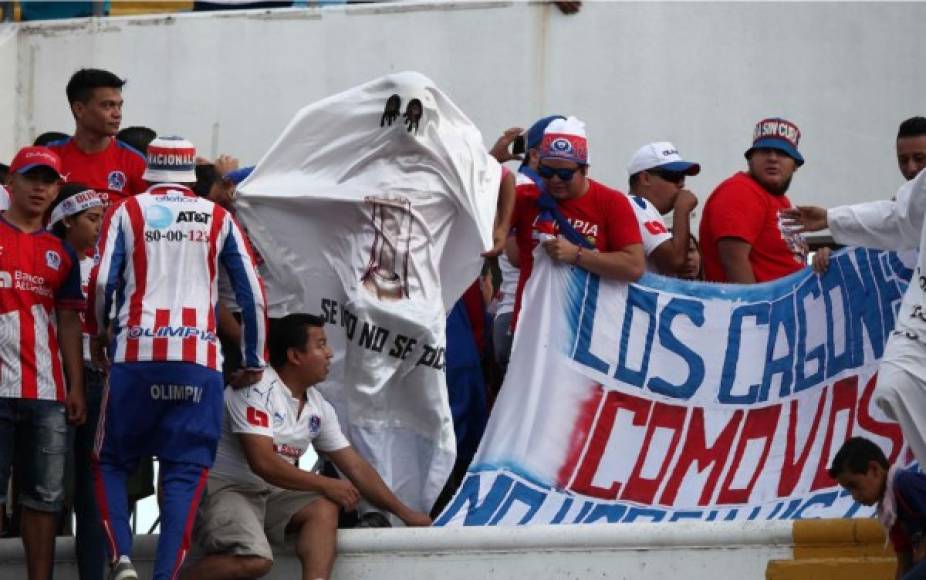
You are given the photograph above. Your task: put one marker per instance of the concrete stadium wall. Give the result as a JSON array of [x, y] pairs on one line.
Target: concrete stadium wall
[[699, 74], [693, 550]]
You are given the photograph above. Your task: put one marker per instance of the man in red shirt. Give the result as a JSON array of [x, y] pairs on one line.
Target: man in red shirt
[[39, 280], [742, 239], [93, 156], [599, 214]]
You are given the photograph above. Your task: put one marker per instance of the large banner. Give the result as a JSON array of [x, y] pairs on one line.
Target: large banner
[[371, 210], [669, 400]]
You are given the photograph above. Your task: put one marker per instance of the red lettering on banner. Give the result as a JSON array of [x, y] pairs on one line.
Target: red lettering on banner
[[845, 395], [791, 470], [760, 424], [696, 451], [664, 416], [257, 418], [601, 432], [580, 434], [867, 422]]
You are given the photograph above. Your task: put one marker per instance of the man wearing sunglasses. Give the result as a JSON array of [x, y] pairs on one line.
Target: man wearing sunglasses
[[597, 213], [742, 238], [657, 181]]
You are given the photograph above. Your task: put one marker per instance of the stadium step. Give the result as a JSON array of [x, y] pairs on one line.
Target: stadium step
[[849, 549]]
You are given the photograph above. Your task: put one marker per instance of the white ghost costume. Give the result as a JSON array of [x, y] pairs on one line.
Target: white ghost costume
[[897, 225], [376, 219]]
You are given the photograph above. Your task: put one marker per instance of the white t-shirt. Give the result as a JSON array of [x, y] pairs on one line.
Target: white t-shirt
[[86, 265], [509, 286], [653, 229], [268, 408]]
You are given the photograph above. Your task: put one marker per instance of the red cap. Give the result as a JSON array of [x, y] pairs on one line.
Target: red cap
[[29, 157]]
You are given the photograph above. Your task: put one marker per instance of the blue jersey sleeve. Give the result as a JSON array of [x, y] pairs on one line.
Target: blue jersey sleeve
[[910, 490], [69, 294]]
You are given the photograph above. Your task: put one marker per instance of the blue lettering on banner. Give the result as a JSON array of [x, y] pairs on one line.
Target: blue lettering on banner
[[644, 302], [781, 325], [510, 496], [760, 312], [694, 311], [865, 315], [585, 326], [816, 356]]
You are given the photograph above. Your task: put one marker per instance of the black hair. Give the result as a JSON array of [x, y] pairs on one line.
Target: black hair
[[4, 172], [137, 137], [66, 191], [912, 127], [82, 84], [206, 176], [634, 179], [855, 455], [50, 137], [291, 331]]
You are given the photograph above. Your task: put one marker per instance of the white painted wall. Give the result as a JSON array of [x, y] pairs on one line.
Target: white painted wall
[[690, 550], [699, 74]]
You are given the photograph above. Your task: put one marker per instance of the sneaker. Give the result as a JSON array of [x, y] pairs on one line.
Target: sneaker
[[374, 520], [123, 570]]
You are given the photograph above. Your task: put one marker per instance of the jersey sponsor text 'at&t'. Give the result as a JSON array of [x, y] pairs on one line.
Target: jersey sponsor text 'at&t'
[[158, 259]]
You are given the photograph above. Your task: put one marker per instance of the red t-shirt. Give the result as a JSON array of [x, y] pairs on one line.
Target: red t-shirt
[[603, 215], [741, 208], [38, 273], [115, 171]]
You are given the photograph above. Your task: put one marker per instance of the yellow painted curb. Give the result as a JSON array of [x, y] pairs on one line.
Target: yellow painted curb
[[839, 538]]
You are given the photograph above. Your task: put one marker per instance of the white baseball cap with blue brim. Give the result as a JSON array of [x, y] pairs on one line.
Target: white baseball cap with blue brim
[[661, 155]]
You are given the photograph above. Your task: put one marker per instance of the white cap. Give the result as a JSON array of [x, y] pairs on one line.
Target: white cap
[[661, 155]]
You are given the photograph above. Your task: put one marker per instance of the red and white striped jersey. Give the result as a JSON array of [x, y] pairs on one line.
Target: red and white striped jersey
[[157, 269], [38, 273]]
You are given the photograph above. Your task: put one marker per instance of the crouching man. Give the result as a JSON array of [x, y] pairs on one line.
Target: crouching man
[[256, 495]]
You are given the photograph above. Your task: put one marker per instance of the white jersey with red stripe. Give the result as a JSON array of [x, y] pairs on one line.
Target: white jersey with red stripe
[[38, 276], [157, 269]]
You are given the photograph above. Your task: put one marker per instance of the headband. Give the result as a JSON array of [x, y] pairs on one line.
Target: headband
[[75, 204]]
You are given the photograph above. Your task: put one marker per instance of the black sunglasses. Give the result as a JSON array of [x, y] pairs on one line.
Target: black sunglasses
[[564, 174], [666, 175]]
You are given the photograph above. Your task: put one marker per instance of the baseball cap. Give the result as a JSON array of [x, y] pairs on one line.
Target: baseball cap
[[171, 160], [777, 133], [535, 133], [31, 157], [661, 155], [565, 139]]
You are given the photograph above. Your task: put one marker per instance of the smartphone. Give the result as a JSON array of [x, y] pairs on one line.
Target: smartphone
[[517, 146]]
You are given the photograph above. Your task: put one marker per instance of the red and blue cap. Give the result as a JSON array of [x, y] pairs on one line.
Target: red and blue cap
[[565, 139], [777, 133], [29, 158]]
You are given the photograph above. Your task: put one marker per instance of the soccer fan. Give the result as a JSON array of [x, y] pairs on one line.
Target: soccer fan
[[742, 239], [895, 224], [94, 156], [39, 281], [137, 137], [911, 159], [861, 468], [911, 146], [596, 227], [48, 137], [657, 186], [158, 258], [76, 218], [256, 494]]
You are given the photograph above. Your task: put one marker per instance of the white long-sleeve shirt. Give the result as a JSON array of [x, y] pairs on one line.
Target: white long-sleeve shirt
[[892, 225], [158, 260]]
